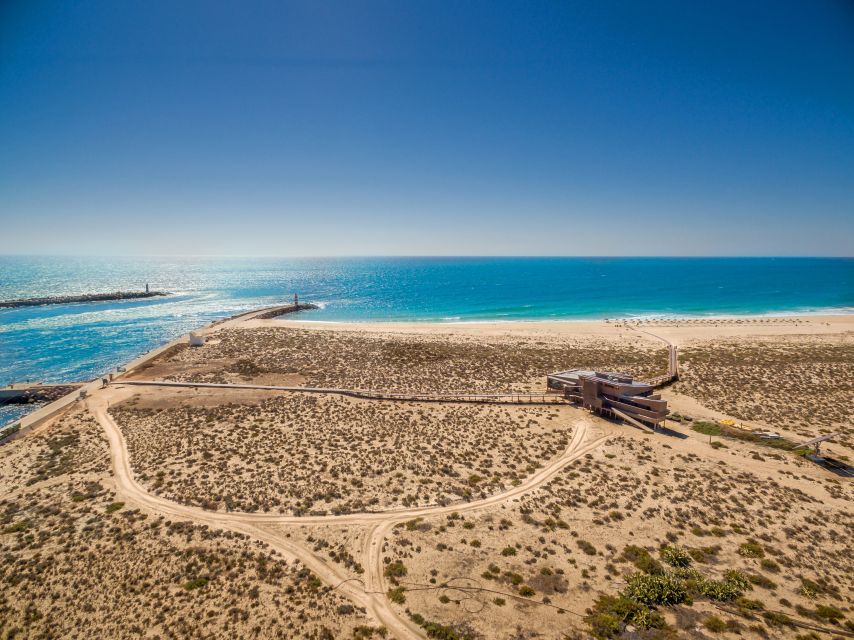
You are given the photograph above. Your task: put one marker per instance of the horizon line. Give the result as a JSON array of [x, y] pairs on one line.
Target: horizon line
[[428, 256]]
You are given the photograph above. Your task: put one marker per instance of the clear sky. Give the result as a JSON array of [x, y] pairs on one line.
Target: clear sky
[[402, 128]]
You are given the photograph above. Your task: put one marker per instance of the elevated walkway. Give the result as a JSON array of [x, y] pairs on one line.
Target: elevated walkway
[[368, 394], [672, 374]]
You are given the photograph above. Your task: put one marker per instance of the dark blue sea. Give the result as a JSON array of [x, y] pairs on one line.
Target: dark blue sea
[[81, 341]]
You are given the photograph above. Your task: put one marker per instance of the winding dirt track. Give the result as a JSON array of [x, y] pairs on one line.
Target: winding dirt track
[[369, 592]]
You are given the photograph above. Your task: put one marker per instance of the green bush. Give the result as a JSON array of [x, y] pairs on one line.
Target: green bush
[[701, 554], [718, 590], [610, 614], [21, 525], [737, 579], [604, 624], [439, 631], [826, 612], [731, 587], [777, 619], [508, 551], [514, 578], [707, 428], [676, 557], [751, 549], [761, 581], [412, 525], [396, 595], [526, 591], [714, 624], [653, 590], [395, 570], [586, 547], [688, 574], [365, 632], [641, 558], [196, 583], [769, 565], [748, 605]]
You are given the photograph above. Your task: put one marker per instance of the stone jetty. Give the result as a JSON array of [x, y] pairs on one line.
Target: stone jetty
[[36, 392], [275, 312], [87, 297]]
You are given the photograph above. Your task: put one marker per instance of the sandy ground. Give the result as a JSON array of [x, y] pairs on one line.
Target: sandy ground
[[564, 513], [301, 453]]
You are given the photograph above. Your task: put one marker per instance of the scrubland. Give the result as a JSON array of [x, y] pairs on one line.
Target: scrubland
[[403, 361], [742, 553], [682, 533], [799, 383], [78, 563], [317, 454]]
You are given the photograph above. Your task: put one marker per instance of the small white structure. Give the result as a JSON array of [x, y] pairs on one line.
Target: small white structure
[[197, 340]]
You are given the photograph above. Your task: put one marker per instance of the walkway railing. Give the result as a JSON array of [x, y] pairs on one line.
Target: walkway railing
[[368, 394], [672, 362]]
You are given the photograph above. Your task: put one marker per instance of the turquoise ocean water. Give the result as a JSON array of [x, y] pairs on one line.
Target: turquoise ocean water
[[75, 342]]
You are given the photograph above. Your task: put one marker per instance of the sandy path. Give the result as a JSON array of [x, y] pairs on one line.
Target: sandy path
[[368, 592]]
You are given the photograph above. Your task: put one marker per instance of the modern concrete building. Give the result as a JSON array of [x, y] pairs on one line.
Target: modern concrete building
[[614, 395]]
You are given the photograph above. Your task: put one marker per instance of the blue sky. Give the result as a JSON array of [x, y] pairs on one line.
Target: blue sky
[[413, 128]]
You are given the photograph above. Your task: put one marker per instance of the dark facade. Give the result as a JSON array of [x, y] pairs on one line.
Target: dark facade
[[614, 395]]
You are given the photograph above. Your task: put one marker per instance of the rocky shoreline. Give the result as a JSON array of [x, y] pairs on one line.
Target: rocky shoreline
[[47, 393], [88, 297]]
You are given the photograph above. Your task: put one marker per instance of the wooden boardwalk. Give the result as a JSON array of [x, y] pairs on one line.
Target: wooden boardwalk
[[672, 374], [368, 394], [672, 369]]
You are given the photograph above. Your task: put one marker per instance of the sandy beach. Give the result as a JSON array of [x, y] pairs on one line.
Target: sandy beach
[[684, 330]]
